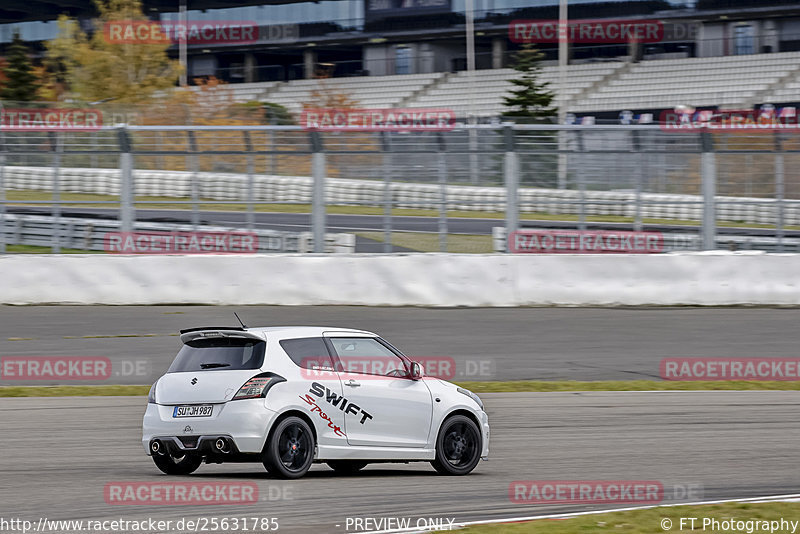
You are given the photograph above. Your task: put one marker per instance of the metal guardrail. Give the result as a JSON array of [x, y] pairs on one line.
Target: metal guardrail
[[90, 234], [639, 173]]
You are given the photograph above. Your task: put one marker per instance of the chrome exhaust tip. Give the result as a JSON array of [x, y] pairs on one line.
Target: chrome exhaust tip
[[222, 446], [157, 448]]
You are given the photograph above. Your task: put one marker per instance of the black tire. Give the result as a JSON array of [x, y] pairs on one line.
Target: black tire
[[177, 465], [347, 467], [458, 446], [289, 452]]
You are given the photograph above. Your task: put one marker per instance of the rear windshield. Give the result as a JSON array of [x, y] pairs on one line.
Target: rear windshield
[[219, 354]]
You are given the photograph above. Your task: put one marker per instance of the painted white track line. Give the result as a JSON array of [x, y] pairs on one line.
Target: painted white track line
[[795, 497]]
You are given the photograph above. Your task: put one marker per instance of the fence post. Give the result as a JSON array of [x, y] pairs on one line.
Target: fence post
[[195, 188], [511, 178], [709, 179], [318, 192], [779, 190], [2, 194], [126, 188], [638, 149], [581, 183], [562, 159], [56, 146], [250, 216], [474, 173], [442, 192], [386, 142]]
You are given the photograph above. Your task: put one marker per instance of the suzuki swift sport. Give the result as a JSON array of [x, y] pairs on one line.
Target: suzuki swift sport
[[291, 396]]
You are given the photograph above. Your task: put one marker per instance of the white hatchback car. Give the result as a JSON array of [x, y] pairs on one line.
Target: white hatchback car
[[291, 396]]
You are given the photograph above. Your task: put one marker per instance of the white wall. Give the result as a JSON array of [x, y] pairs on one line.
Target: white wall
[[404, 280]]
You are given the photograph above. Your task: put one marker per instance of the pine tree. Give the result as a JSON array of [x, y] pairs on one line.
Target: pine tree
[[530, 101], [20, 83]]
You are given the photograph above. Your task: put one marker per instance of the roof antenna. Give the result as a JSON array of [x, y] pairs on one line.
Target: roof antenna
[[240, 321]]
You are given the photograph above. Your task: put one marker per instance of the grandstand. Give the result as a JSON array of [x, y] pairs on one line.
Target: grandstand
[[731, 81], [412, 54]]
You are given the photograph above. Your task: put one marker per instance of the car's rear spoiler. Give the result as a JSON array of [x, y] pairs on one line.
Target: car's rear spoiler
[[218, 331], [199, 328]]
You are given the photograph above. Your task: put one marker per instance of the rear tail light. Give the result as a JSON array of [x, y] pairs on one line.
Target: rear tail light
[[258, 386], [151, 395]]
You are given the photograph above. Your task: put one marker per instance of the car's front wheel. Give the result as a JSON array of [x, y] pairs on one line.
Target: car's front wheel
[[346, 467], [458, 446], [290, 450], [177, 465]]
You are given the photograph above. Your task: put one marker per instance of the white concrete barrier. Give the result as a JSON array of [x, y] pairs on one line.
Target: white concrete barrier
[[718, 278]]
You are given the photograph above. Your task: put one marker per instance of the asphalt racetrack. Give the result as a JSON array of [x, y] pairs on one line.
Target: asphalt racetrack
[[483, 344], [60, 453]]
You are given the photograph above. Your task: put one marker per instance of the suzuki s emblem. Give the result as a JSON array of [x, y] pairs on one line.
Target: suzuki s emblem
[[194, 381]]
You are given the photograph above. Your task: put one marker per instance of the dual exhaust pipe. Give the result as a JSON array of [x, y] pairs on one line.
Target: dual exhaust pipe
[[222, 445]]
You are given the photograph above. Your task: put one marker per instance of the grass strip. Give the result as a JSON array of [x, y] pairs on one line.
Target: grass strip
[[658, 519], [429, 242], [74, 391], [545, 386], [514, 386]]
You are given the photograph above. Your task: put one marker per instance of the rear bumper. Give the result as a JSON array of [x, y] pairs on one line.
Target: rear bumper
[[244, 422]]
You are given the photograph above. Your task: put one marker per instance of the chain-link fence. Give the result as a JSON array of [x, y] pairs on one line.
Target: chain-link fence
[[405, 191]]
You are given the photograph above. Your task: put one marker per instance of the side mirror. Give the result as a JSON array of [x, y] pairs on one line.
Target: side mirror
[[416, 371]]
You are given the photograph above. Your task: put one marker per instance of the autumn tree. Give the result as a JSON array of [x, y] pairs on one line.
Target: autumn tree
[[326, 96], [96, 68]]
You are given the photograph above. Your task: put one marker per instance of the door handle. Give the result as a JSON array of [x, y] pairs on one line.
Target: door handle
[[352, 383]]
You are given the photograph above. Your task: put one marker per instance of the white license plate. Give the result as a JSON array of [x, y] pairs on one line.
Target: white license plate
[[193, 410]]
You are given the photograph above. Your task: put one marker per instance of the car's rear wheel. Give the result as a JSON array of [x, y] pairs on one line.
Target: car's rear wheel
[[458, 446], [290, 450], [346, 467], [177, 465]]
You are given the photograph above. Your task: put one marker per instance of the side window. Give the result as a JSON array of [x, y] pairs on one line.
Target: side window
[[368, 356], [308, 353]]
